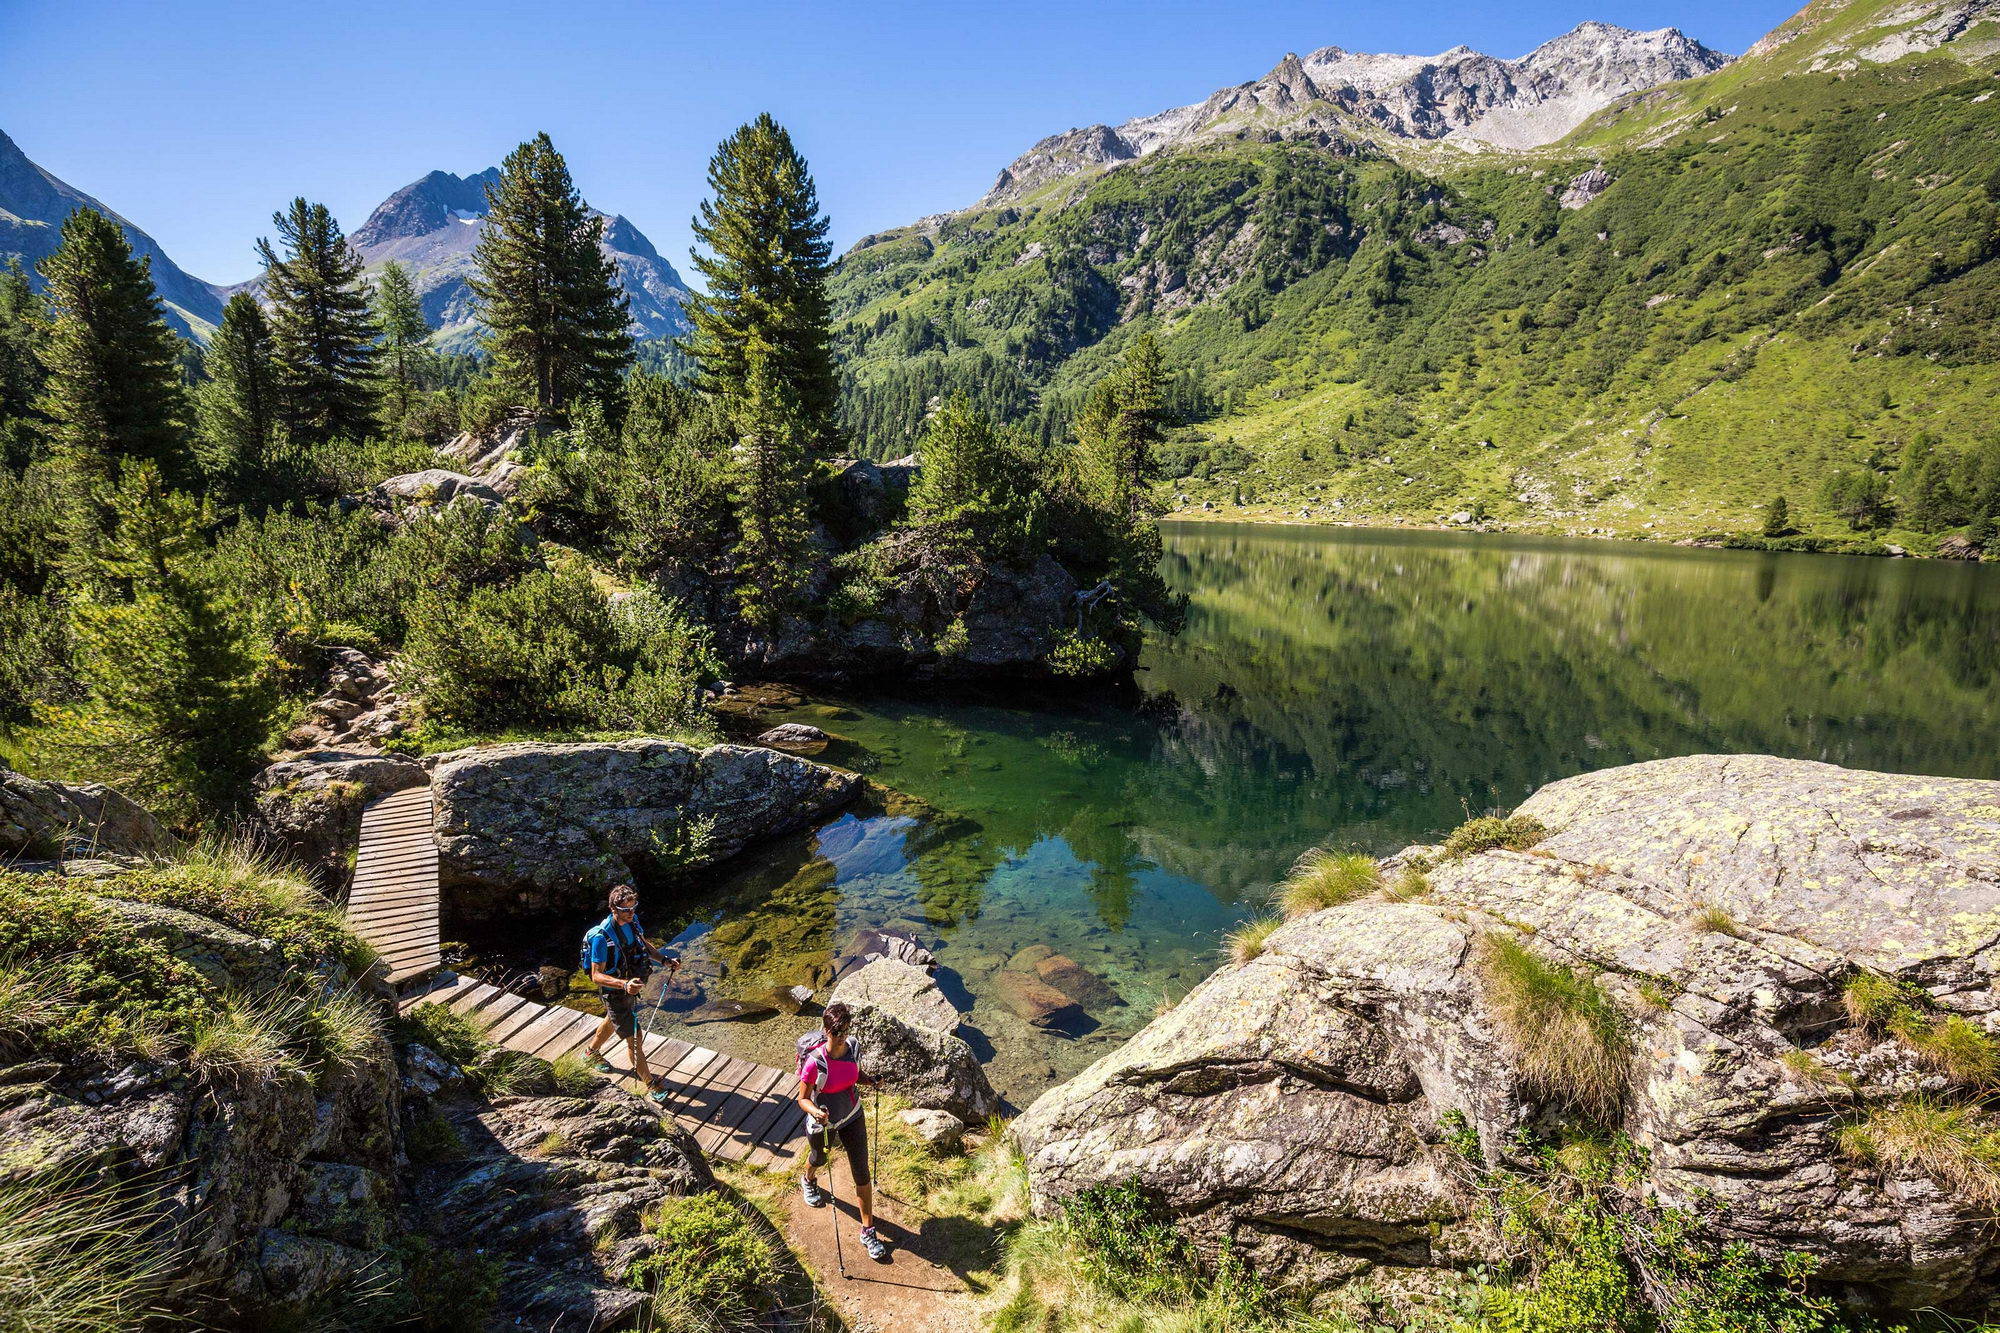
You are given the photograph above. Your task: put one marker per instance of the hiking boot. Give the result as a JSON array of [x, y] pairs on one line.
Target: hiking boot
[[598, 1064], [878, 1249], [815, 1196]]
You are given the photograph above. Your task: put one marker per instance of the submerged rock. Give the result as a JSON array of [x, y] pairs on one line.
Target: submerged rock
[[1295, 1105], [537, 826], [1034, 1001]]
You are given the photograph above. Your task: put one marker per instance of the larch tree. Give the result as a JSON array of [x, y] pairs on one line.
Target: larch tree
[[766, 271], [23, 322], [111, 390], [323, 334], [238, 405], [405, 336], [1122, 421], [556, 319]]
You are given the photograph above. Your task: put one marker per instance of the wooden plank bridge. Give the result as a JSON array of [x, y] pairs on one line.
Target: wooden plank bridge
[[734, 1108]]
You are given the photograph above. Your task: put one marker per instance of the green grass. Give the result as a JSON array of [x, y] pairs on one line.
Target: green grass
[[1321, 879], [249, 1039], [77, 1257], [713, 1270], [1713, 920], [1246, 942], [1568, 1038], [1955, 1046], [1958, 1146]]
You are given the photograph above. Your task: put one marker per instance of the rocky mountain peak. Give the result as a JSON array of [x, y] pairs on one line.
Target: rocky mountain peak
[[425, 205], [1476, 100]]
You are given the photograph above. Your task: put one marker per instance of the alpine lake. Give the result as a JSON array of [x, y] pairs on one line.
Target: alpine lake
[[1355, 689]]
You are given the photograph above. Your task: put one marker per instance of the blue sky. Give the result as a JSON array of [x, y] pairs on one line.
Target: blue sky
[[197, 118]]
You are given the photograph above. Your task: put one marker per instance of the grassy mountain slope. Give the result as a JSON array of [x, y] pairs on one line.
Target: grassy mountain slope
[[1714, 293]]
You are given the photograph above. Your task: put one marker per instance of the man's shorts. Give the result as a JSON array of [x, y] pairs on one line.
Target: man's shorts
[[621, 1009]]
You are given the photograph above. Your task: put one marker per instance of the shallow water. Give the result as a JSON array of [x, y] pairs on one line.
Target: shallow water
[[1361, 690]]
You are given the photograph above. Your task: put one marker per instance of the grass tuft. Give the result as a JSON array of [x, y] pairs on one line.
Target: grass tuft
[[1515, 833], [1567, 1035], [239, 869], [1957, 1048], [74, 1258], [347, 1033], [1812, 1071], [1873, 1000], [573, 1075], [1410, 886], [1246, 942], [32, 996], [1711, 919], [1957, 1146], [1321, 879], [249, 1039]]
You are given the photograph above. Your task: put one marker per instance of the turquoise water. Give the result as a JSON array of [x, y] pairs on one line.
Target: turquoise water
[[1359, 690]]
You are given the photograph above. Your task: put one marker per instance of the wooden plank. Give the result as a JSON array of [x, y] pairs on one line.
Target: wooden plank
[[722, 1130], [550, 1022], [480, 994], [503, 1033], [716, 1089], [441, 995], [496, 1011], [417, 837], [392, 914], [573, 1034], [370, 867], [391, 931]]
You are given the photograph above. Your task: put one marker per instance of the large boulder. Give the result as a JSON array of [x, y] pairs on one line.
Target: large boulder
[[905, 990], [309, 805], [1295, 1105], [931, 1070], [41, 820], [537, 826]]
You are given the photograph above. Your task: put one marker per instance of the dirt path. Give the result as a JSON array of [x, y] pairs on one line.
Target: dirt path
[[917, 1289]]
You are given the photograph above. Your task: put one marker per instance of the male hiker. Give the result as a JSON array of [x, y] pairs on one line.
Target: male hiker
[[618, 955]]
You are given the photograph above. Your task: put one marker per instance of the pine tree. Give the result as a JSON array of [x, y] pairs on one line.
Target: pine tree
[[112, 392], [177, 701], [405, 335], [23, 323], [766, 274], [971, 485], [238, 404], [1778, 518], [1119, 427], [773, 549], [321, 329], [555, 316]]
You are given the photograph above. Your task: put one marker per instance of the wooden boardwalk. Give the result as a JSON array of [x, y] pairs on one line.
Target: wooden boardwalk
[[734, 1108], [393, 904]]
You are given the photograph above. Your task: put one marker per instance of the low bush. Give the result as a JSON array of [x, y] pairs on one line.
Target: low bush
[[1567, 1036], [713, 1269], [1515, 833], [1323, 878]]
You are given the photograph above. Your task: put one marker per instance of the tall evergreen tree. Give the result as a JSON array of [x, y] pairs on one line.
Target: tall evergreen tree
[[1121, 423], [555, 316], [322, 332], [766, 274], [112, 392], [405, 335], [23, 321], [1778, 518], [773, 550], [238, 404]]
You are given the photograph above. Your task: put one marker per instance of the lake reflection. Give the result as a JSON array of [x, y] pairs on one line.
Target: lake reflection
[[1358, 690]]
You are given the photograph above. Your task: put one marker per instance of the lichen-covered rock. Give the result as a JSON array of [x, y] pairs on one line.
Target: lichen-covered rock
[[905, 990], [309, 805], [73, 819], [930, 1069], [535, 826], [1293, 1104]]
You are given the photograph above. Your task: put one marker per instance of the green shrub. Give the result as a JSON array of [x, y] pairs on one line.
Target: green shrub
[[1515, 833], [449, 1033], [1567, 1036], [1081, 655], [1323, 878], [429, 1138], [249, 1039], [712, 1264]]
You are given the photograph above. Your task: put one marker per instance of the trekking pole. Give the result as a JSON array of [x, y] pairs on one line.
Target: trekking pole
[[833, 1204]]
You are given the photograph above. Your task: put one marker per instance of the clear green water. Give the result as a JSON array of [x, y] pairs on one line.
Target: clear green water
[[1359, 690]]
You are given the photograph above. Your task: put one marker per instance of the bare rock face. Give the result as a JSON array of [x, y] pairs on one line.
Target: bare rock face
[[358, 705], [1293, 1104], [434, 488], [535, 826], [932, 1070], [63, 819], [905, 990]]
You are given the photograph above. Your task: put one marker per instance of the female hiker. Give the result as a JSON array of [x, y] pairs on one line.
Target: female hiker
[[829, 1069]]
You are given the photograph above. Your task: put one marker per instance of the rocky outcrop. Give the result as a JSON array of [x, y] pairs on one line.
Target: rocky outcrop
[[58, 820], [907, 991], [534, 826], [1296, 1104], [434, 488], [931, 1070], [358, 705], [309, 805]]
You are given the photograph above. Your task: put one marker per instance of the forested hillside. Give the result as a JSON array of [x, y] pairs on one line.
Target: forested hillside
[[1769, 281]]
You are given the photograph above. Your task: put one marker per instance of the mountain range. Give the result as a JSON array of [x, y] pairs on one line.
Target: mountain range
[[1461, 97], [431, 225], [34, 203], [1621, 284]]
